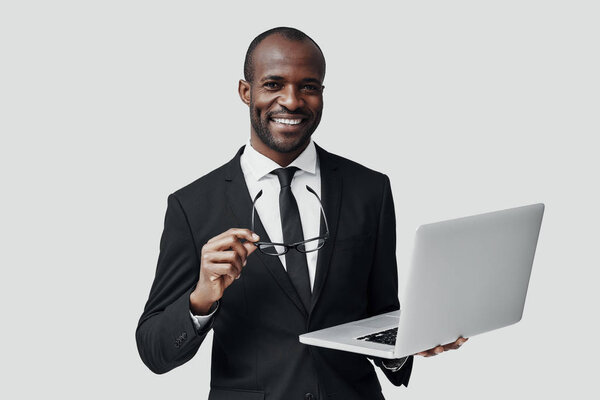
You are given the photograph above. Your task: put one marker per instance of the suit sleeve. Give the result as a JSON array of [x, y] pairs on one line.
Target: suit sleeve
[[166, 336], [383, 282]]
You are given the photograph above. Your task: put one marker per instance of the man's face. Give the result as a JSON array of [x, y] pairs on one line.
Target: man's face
[[286, 94]]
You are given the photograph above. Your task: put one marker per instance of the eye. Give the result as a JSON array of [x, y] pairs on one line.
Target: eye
[[311, 88], [271, 85]]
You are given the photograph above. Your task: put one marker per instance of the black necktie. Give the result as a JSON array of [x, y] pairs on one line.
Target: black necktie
[[297, 266]]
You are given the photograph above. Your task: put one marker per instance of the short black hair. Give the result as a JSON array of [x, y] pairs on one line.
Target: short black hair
[[288, 33]]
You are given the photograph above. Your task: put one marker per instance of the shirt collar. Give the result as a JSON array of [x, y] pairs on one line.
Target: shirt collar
[[260, 165]]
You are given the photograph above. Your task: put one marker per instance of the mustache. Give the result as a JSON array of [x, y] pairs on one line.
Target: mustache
[[287, 113]]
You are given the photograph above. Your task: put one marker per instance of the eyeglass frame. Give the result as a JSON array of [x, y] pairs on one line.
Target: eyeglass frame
[[292, 245]]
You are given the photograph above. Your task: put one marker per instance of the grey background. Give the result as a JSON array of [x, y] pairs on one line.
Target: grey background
[[469, 106]]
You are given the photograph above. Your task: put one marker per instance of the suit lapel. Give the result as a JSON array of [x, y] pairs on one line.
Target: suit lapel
[[331, 193], [240, 203]]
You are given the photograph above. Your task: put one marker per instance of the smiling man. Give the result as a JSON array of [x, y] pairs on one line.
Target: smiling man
[[321, 252]]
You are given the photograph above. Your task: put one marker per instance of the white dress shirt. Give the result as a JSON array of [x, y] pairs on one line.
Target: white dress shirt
[[257, 173]]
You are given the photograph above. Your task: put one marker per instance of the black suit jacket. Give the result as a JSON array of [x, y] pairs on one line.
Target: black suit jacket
[[256, 352]]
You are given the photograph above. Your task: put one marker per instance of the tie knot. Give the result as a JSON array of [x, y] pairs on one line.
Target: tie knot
[[285, 175]]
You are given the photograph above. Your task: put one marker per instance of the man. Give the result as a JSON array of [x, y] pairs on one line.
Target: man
[[214, 272]]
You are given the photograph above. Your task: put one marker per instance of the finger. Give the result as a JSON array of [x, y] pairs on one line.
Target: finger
[[432, 352], [240, 250], [456, 344], [240, 233], [242, 253], [221, 235], [216, 271], [228, 280], [451, 346], [226, 257], [250, 248], [224, 243]]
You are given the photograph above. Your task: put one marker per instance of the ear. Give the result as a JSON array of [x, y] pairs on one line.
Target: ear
[[244, 91]]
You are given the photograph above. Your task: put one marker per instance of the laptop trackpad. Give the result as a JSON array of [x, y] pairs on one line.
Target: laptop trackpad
[[381, 322]]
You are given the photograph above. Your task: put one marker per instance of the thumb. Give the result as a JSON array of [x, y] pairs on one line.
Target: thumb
[[227, 280], [250, 247]]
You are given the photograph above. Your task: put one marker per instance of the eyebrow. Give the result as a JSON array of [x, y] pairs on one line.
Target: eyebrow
[[280, 78], [272, 78], [312, 80]]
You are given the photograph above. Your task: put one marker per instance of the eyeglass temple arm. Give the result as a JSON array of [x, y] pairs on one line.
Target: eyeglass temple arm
[[253, 206], [320, 205]]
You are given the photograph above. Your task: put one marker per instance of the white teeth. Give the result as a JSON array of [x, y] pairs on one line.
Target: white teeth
[[287, 121]]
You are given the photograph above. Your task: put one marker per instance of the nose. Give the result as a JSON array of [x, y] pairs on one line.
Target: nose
[[290, 98]]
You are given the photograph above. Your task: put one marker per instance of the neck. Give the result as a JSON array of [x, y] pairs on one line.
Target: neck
[[283, 159]]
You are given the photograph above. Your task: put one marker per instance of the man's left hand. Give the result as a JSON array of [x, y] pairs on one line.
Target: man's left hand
[[442, 348]]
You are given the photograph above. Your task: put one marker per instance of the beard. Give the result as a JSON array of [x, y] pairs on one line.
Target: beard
[[261, 127]]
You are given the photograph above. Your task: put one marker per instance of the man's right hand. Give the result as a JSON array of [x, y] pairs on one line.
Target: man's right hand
[[222, 260]]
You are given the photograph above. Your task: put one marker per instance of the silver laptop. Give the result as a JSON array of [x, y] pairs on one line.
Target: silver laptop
[[467, 276]]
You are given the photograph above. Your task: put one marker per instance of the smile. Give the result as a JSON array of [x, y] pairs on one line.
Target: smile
[[287, 121]]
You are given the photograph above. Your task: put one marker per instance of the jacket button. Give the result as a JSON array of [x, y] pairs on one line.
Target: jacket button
[[309, 396]]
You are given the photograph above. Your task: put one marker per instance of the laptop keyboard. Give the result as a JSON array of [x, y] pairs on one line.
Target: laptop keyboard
[[385, 337]]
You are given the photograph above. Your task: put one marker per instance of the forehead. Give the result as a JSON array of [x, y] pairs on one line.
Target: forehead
[[292, 59]]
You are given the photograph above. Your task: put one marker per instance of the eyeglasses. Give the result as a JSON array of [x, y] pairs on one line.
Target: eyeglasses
[[305, 246]]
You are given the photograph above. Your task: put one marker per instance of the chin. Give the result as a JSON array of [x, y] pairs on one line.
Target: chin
[[285, 146], [281, 141]]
